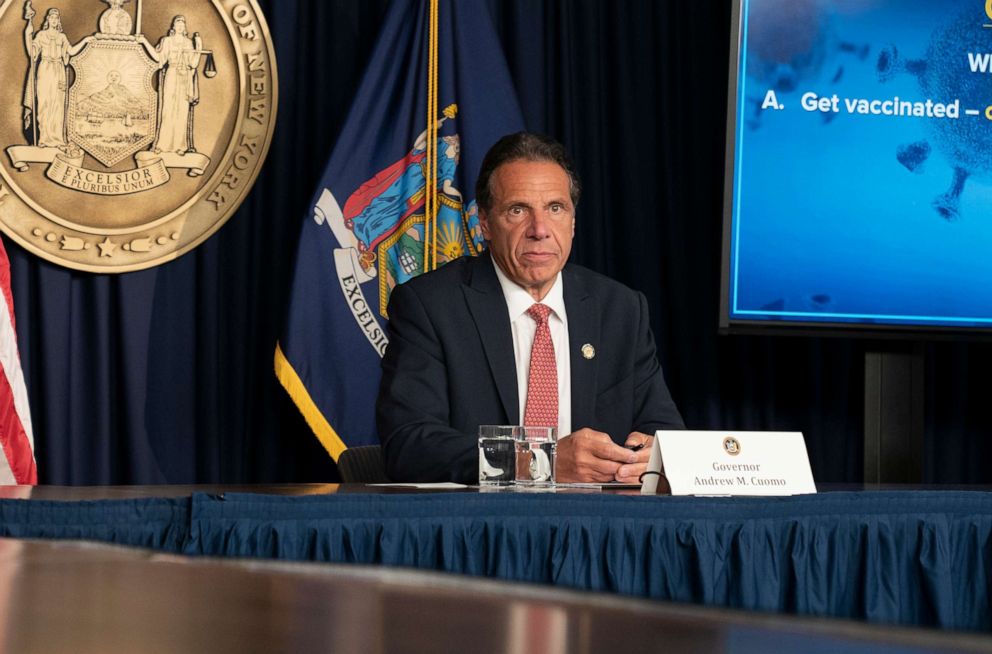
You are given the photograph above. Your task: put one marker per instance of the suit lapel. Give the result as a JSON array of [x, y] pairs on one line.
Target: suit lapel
[[583, 329], [488, 307]]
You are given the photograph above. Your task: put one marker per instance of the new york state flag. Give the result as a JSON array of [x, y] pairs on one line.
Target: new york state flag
[[396, 200]]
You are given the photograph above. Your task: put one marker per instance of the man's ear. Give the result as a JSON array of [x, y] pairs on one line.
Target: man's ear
[[484, 223]]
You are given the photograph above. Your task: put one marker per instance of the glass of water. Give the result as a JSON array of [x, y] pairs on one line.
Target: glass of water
[[534, 449], [496, 458]]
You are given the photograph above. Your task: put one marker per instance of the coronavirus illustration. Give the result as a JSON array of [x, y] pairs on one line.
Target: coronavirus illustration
[[793, 42], [944, 75]]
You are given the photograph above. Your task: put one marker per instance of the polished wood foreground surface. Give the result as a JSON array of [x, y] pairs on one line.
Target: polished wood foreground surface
[[76, 597]]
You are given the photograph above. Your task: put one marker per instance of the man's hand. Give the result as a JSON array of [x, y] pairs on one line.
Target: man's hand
[[640, 444], [592, 456]]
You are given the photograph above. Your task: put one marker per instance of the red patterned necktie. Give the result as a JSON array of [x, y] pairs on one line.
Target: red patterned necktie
[[541, 409]]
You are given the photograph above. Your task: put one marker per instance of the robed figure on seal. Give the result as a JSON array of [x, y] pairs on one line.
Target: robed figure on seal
[[45, 92], [179, 90]]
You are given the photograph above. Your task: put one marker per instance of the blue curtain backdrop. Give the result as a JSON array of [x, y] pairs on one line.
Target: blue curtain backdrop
[[165, 375]]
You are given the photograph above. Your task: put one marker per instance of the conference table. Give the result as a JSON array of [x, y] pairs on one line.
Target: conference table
[[908, 557]]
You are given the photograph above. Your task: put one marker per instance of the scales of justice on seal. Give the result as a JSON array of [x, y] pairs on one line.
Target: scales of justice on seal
[[108, 125], [104, 116]]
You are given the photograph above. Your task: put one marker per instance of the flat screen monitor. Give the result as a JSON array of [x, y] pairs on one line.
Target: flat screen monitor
[[858, 189]]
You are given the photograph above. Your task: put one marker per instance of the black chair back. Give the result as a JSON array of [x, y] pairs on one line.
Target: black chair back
[[362, 465]]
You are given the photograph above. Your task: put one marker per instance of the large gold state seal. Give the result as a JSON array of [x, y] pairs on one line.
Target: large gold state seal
[[130, 130]]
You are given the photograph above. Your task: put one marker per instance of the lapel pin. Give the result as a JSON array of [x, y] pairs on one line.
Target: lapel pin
[[588, 351]]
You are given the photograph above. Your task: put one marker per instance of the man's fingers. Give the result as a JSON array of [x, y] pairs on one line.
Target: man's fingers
[[580, 458], [612, 452], [595, 466], [592, 456], [640, 444], [631, 473], [636, 439], [601, 446]]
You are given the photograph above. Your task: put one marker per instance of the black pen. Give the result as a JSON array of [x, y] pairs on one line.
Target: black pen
[[634, 448]]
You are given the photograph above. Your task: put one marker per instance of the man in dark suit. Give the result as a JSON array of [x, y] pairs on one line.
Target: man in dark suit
[[516, 336]]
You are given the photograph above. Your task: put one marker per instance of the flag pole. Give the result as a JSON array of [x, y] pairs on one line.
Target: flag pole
[[430, 205], [137, 18]]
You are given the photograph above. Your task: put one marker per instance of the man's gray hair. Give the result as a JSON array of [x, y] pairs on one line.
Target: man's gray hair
[[523, 146]]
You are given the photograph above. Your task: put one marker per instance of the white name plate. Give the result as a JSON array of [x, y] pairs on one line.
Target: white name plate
[[762, 463]]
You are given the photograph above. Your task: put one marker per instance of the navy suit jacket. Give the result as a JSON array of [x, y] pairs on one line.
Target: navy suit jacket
[[449, 367]]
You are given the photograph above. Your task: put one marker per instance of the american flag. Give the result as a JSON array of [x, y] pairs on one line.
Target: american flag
[[16, 439]]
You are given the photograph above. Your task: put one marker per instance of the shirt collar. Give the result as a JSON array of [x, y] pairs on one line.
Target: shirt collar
[[518, 300]]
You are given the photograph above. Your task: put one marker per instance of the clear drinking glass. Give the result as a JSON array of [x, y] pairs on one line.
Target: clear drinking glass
[[496, 458], [535, 450]]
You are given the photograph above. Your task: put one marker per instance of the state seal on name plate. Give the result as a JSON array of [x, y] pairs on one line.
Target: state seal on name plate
[[128, 146]]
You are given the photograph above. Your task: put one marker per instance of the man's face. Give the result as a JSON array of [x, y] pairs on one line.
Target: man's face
[[531, 223]]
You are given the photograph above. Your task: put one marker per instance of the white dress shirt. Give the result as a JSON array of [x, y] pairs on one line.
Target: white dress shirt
[[523, 327]]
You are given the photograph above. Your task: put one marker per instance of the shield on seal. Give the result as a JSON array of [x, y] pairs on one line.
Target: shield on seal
[[112, 105]]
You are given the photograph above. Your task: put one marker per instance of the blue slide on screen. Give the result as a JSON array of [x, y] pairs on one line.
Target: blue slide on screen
[[862, 153]]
